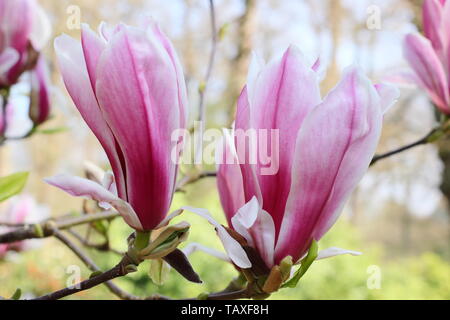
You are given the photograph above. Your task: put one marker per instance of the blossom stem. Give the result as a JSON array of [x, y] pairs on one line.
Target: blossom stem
[[142, 239]]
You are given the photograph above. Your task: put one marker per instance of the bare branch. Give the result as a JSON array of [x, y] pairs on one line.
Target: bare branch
[[432, 136], [46, 228], [188, 179], [92, 266], [212, 57], [119, 270]]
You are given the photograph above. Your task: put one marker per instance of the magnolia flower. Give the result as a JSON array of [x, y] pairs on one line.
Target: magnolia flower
[[22, 210], [28, 103], [128, 85], [323, 149], [24, 30], [429, 56], [39, 107]]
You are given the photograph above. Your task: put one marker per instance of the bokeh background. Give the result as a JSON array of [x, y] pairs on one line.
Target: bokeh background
[[398, 216]]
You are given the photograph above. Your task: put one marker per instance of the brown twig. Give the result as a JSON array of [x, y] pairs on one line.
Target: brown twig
[[188, 179], [432, 136], [103, 247], [46, 228], [212, 57], [92, 266], [120, 270]]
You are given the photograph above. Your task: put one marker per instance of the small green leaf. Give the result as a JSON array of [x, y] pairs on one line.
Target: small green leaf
[[52, 130], [12, 185], [306, 263], [17, 294]]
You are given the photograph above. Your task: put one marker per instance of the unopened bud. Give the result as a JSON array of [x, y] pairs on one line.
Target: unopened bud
[[165, 241]]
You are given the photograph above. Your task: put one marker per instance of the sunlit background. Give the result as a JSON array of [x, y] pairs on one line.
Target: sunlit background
[[398, 216]]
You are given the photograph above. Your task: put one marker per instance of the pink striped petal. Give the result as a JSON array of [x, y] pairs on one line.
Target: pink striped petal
[[432, 18], [334, 149], [232, 247], [8, 59], [423, 59], [248, 169], [388, 95], [182, 92], [285, 91], [40, 93], [136, 71], [73, 68], [257, 227], [16, 19], [229, 178], [93, 47], [446, 35], [41, 30], [334, 251], [80, 187]]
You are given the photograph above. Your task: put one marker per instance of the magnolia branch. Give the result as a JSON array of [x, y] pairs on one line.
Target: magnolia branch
[[102, 247], [212, 57], [47, 228], [121, 269], [431, 137], [188, 179], [95, 269]]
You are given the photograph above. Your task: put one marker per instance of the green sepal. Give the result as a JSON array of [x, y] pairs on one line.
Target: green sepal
[[158, 271], [305, 264]]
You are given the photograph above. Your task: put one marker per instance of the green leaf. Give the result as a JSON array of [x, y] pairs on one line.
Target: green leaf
[[306, 263], [12, 185], [52, 130], [17, 294]]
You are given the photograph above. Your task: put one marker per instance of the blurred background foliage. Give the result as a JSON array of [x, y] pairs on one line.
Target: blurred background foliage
[[398, 217]]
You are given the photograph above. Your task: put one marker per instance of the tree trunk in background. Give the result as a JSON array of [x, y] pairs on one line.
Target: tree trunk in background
[[239, 65]]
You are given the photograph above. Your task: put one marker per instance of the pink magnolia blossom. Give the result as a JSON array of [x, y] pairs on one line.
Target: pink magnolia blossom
[[22, 210], [39, 109], [24, 30], [429, 55], [325, 146], [128, 85]]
